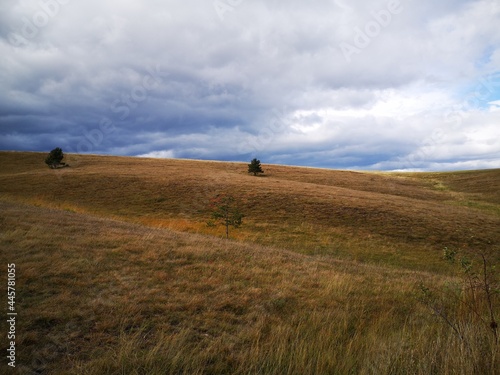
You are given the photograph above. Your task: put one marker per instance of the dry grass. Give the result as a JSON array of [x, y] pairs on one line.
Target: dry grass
[[106, 287], [402, 219], [98, 296]]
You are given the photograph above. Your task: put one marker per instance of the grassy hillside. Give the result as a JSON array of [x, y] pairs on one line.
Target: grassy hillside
[[118, 273], [402, 219]]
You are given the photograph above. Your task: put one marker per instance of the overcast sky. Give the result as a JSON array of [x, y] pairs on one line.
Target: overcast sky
[[384, 85]]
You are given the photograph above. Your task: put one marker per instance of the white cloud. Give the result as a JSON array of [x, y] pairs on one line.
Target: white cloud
[[270, 79], [494, 106], [168, 154]]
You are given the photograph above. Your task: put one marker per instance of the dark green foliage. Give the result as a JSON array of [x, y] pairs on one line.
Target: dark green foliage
[[255, 167], [54, 158]]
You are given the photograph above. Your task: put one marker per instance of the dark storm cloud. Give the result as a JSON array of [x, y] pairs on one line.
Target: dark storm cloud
[[351, 84]]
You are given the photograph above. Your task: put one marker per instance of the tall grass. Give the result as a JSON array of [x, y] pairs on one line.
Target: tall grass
[[141, 300], [336, 341]]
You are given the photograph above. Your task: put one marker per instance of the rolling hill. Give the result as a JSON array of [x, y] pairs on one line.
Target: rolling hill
[[118, 271], [312, 211]]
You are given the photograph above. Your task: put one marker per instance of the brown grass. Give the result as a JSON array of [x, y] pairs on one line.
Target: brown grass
[[320, 280], [403, 217]]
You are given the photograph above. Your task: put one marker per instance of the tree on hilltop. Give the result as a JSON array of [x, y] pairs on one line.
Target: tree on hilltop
[[255, 167], [54, 158]]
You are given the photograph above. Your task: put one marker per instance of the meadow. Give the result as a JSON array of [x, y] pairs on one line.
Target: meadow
[[118, 273]]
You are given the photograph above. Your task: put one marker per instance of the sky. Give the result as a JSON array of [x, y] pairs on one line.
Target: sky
[[362, 85]]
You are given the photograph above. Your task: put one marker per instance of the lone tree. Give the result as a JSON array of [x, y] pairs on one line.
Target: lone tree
[[254, 167], [225, 212], [54, 158]]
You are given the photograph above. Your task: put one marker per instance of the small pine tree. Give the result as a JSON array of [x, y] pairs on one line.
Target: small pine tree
[[225, 211], [54, 158], [254, 167]]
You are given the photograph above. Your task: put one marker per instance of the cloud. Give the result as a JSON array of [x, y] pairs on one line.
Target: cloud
[[263, 79], [167, 154]]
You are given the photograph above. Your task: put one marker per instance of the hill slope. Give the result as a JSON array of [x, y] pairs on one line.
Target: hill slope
[[399, 218], [99, 296], [105, 286]]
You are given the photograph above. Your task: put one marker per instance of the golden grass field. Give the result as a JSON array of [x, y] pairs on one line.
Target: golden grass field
[[118, 273]]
